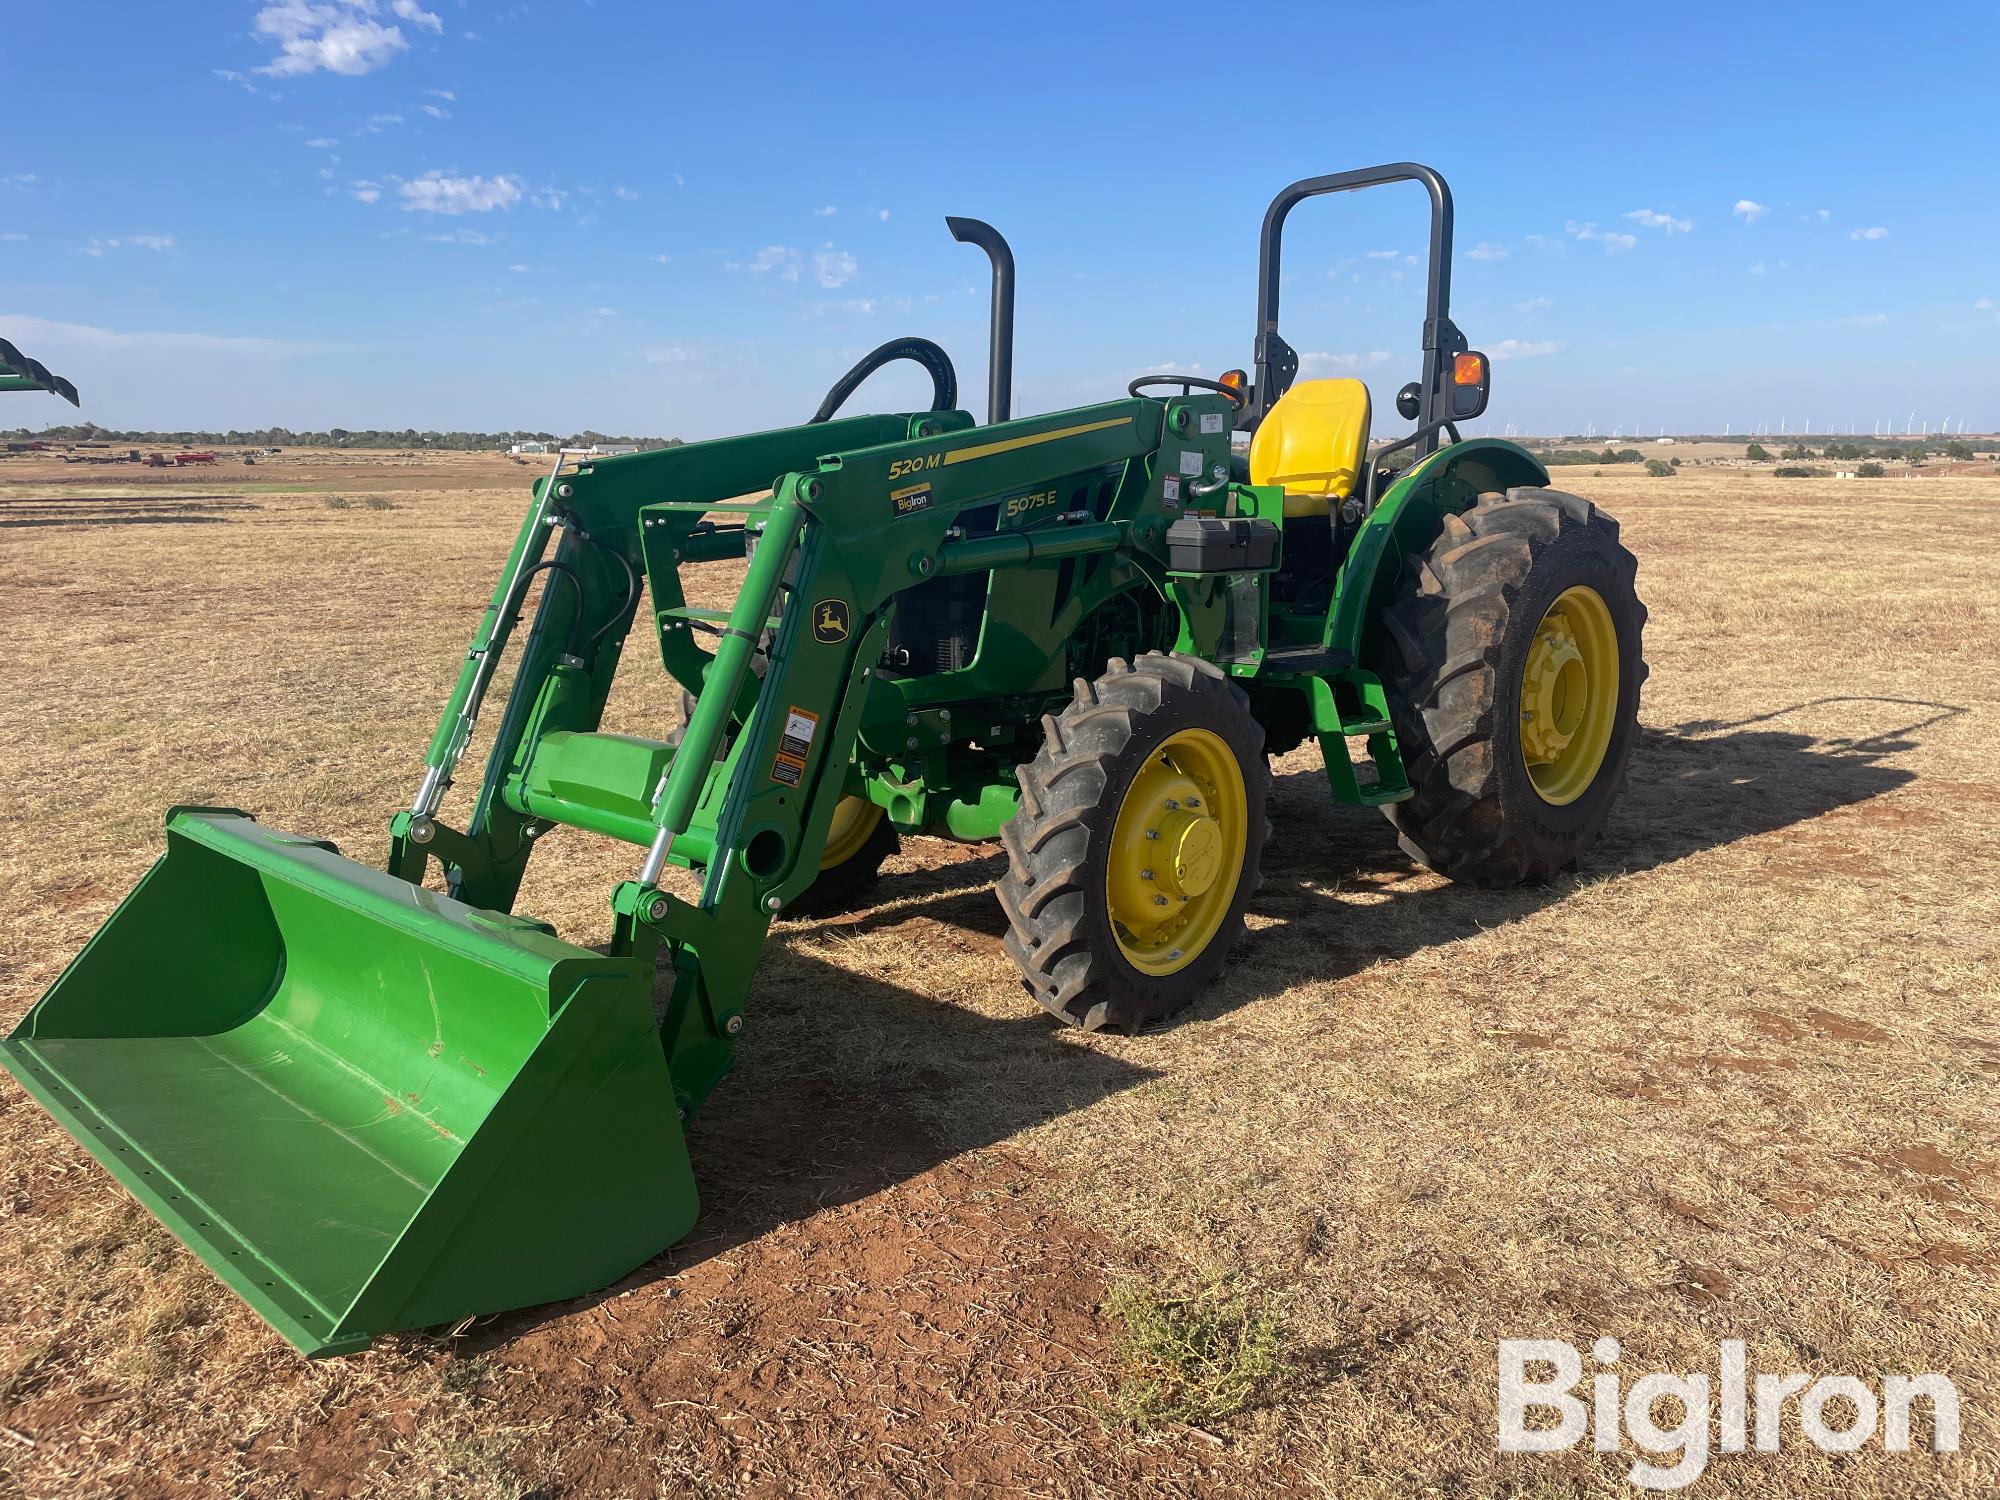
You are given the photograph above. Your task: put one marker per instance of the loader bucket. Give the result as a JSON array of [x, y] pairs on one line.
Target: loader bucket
[[364, 1105]]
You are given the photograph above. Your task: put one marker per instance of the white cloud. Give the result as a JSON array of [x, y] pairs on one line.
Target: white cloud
[[1984, 304], [445, 94], [43, 334], [668, 354], [882, 214], [153, 242], [1320, 365], [1875, 233], [607, 312], [435, 193], [517, 266], [1382, 254], [826, 213], [322, 142], [781, 259], [1534, 304], [16, 235], [1824, 213], [832, 268], [435, 111], [680, 181], [1653, 220], [463, 237], [1522, 348], [1485, 251], [340, 36], [1758, 269], [1750, 210], [365, 190], [629, 195], [859, 306], [1612, 240], [376, 122], [664, 259], [416, 15]]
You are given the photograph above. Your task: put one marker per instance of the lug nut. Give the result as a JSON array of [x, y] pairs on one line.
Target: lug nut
[[422, 830], [1159, 901], [657, 911], [1145, 874]]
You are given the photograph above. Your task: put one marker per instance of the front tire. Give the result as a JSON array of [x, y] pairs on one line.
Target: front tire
[[1513, 662], [1137, 844]]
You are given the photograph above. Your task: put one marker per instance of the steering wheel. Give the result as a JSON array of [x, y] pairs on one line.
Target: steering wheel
[[1237, 398]]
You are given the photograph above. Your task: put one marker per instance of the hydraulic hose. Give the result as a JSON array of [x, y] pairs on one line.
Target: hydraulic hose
[[944, 379]]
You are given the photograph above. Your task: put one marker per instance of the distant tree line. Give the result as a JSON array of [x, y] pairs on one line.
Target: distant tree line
[[1912, 452], [332, 437], [1560, 457]]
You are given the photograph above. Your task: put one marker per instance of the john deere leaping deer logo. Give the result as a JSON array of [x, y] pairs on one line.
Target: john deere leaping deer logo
[[830, 621]]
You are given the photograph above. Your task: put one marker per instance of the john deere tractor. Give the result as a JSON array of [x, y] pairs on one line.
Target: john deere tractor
[[381, 1098]]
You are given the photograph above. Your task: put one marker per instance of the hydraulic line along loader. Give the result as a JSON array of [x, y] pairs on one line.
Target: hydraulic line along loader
[[369, 1105]]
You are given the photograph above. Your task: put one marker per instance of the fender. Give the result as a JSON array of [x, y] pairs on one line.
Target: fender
[[1407, 519]]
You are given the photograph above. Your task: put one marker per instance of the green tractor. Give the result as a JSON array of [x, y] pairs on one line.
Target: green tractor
[[370, 1104]]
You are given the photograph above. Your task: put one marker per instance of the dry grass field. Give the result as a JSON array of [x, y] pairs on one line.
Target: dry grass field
[[1735, 1079]]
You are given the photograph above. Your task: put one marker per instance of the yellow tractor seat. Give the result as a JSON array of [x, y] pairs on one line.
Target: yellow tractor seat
[[1313, 442]]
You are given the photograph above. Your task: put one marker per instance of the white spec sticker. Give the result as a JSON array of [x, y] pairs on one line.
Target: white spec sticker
[[1170, 489], [1190, 463], [1211, 422], [800, 727]]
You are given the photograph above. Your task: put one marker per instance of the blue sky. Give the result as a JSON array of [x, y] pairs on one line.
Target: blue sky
[[686, 220]]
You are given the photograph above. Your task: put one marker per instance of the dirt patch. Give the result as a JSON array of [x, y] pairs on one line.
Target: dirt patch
[[1845, 1028], [942, 1335]]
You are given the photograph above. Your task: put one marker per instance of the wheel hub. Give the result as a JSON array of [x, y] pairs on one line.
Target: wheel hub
[[1555, 690], [1176, 850], [1569, 695], [1193, 845]]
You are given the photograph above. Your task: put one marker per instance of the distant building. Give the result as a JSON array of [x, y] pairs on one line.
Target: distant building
[[529, 447], [1666, 441]]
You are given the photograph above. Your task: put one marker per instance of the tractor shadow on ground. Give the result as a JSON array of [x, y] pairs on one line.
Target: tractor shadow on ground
[[1693, 787], [846, 1085]]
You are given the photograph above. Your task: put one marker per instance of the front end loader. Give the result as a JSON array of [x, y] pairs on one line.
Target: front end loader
[[379, 1098]]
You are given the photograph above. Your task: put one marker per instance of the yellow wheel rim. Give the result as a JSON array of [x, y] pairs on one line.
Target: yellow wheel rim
[[1569, 695], [854, 819], [1176, 852]]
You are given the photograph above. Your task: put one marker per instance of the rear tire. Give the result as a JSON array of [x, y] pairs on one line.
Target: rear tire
[[1460, 641], [1149, 792]]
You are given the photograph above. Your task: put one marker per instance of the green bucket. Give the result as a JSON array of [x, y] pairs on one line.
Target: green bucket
[[364, 1105]]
